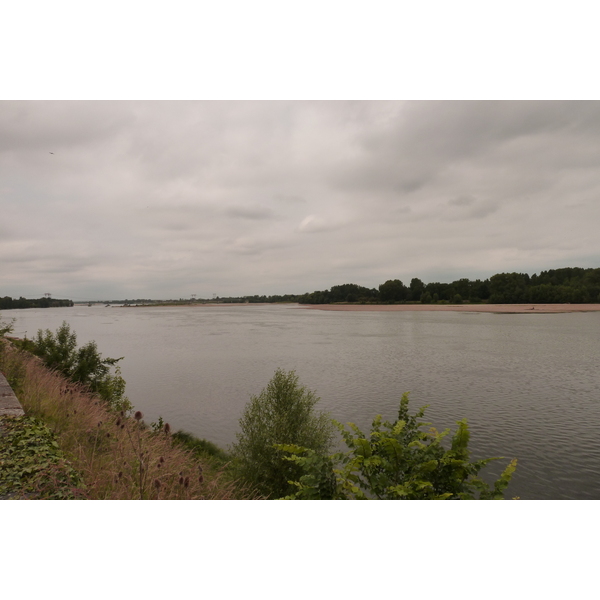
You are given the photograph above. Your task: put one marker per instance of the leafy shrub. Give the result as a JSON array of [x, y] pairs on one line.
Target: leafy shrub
[[84, 365], [31, 463], [395, 461], [6, 327], [283, 413]]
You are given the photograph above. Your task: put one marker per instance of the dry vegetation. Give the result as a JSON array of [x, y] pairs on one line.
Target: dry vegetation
[[117, 456]]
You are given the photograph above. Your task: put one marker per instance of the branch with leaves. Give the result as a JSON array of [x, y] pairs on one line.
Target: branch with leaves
[[396, 461]]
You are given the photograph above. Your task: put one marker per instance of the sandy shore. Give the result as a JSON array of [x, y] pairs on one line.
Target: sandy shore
[[491, 308]]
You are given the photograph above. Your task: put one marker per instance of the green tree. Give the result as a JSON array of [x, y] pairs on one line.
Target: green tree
[[283, 413], [396, 461], [392, 291], [58, 350], [508, 288], [348, 292], [83, 365], [417, 287]]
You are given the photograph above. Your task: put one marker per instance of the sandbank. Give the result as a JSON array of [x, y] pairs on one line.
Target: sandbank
[[489, 308]]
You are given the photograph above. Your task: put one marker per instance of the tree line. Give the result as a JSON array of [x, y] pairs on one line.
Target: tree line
[[567, 285], [6, 303], [555, 286], [574, 285]]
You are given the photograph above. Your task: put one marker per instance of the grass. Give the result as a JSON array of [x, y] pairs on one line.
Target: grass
[[116, 456], [201, 447]]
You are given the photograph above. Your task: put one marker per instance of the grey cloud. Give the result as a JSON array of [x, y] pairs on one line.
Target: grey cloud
[[462, 201], [250, 212], [317, 224], [49, 126], [152, 195], [252, 246], [290, 198], [483, 209], [176, 225], [468, 207], [409, 146]]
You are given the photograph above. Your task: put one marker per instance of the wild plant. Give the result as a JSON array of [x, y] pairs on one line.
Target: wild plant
[[83, 365], [396, 461], [283, 413], [31, 463], [116, 455]]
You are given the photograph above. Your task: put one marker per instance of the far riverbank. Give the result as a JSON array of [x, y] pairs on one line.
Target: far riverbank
[[487, 308], [483, 308]]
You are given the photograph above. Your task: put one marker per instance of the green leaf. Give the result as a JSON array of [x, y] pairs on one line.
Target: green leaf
[[363, 447], [430, 465]]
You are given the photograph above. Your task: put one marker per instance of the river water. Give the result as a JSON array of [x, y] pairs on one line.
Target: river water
[[528, 384]]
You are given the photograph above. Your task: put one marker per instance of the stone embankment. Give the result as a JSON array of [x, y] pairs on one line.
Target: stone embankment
[[9, 405]]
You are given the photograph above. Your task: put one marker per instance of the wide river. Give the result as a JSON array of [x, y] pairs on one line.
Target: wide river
[[528, 384]]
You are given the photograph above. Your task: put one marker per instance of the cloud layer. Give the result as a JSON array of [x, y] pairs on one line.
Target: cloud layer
[[169, 199]]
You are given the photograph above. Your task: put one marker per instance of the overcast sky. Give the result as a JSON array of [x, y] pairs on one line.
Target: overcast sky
[[103, 200]]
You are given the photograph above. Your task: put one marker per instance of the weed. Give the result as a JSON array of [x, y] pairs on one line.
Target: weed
[[117, 456], [31, 463]]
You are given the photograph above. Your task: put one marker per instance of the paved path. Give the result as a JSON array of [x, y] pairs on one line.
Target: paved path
[[9, 405]]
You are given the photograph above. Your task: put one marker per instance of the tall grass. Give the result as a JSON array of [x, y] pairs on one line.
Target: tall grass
[[118, 457]]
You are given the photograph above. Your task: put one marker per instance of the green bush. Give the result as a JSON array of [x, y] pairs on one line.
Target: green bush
[[31, 463], [395, 461], [83, 365], [283, 413], [6, 327]]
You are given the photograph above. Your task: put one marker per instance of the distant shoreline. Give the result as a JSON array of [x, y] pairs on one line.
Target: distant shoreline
[[483, 308], [488, 308]]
